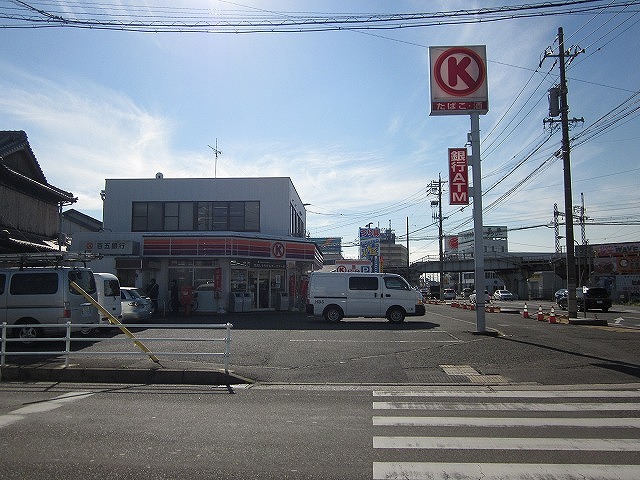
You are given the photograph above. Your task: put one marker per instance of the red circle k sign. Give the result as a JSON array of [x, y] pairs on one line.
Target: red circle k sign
[[459, 71]]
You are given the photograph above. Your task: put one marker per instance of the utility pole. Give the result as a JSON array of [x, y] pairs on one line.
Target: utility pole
[[438, 189], [216, 152], [566, 161]]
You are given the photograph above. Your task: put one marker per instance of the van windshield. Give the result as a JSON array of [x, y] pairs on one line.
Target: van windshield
[[84, 279]]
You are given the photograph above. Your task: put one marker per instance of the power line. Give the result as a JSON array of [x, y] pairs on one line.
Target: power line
[[105, 16]]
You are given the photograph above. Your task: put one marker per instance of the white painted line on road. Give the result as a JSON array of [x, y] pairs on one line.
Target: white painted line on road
[[524, 407], [40, 407], [512, 393], [500, 443], [322, 340], [501, 471], [505, 422]]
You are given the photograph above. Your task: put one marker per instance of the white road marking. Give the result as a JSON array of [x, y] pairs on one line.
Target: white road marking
[[524, 407], [506, 422], [511, 393], [40, 407], [501, 471], [506, 443]]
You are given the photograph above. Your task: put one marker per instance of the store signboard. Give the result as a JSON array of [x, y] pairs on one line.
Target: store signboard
[[458, 78]]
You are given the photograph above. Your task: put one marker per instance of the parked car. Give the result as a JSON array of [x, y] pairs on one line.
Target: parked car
[[466, 292], [563, 292], [589, 299], [502, 295], [448, 294], [135, 306], [487, 297]]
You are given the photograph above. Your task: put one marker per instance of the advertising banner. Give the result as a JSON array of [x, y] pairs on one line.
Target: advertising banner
[[458, 177], [370, 247]]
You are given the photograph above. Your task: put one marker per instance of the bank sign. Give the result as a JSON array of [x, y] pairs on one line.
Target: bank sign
[[458, 78], [458, 177]]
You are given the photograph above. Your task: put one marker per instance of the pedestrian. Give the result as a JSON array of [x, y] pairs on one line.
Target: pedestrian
[[153, 289]]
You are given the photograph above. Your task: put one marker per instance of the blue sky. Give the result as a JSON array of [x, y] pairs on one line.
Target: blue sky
[[345, 114]]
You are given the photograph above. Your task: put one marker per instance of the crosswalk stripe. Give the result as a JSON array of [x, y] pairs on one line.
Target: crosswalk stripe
[[502, 406], [506, 443], [501, 471], [505, 422], [511, 393]]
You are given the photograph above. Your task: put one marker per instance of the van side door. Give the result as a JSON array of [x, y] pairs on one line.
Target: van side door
[[3, 297], [364, 296]]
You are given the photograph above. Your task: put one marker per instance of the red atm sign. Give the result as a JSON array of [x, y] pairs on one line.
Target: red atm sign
[[458, 177]]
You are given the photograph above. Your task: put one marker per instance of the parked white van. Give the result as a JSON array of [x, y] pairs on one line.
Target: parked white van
[[335, 295], [108, 289], [31, 296]]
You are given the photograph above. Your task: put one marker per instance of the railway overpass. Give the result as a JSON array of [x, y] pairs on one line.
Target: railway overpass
[[513, 268]]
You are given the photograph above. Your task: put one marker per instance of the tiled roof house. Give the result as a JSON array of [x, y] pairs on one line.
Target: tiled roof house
[[29, 206]]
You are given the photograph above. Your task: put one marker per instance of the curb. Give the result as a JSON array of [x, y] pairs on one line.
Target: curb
[[588, 321], [120, 375]]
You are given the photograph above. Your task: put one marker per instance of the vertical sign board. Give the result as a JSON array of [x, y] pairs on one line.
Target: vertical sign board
[[459, 80], [458, 87], [458, 177], [370, 247]]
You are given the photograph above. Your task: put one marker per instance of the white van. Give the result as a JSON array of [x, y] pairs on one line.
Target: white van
[[108, 288], [30, 296], [335, 295]]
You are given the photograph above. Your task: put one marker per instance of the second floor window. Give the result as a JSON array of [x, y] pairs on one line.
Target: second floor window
[[195, 216]]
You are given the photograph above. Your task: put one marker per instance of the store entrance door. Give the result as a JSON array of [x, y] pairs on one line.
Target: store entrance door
[[260, 289]]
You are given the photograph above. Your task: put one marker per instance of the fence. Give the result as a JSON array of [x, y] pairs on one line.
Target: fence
[[69, 340]]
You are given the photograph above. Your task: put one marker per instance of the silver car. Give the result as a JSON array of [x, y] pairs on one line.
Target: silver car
[[502, 295], [135, 306]]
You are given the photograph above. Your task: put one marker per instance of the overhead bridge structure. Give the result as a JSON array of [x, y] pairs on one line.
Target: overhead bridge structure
[[513, 268]]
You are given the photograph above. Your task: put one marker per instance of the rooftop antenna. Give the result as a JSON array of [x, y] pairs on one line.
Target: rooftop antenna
[[216, 152]]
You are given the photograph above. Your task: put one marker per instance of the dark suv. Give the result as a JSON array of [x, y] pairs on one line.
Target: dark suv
[[595, 298]]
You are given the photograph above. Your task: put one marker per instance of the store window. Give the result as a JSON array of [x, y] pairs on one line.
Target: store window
[[194, 273], [195, 216]]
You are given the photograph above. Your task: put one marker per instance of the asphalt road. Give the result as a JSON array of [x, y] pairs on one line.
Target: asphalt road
[[356, 400], [71, 431], [303, 349], [441, 347]]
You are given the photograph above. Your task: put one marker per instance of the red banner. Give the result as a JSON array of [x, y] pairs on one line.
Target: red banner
[[458, 177]]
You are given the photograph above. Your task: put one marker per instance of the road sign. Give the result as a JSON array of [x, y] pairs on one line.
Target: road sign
[[458, 80]]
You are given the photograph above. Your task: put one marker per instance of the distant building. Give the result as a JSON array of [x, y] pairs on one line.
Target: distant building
[[394, 255], [30, 207], [74, 221], [494, 239], [331, 248]]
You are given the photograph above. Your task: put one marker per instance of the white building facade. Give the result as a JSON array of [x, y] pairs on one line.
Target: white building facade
[[224, 238]]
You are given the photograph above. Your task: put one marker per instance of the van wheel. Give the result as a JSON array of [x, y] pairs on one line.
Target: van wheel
[[28, 332], [333, 314], [395, 315]]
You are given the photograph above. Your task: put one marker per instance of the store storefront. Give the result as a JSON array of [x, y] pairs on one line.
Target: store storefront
[[230, 273]]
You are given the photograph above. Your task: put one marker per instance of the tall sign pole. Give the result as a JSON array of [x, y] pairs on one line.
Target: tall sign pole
[[478, 241], [459, 87]]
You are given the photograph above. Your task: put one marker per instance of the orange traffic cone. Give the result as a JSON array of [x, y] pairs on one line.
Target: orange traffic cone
[[540, 314], [525, 312], [552, 316]]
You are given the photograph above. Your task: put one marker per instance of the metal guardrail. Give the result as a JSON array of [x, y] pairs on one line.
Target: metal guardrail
[[69, 339]]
